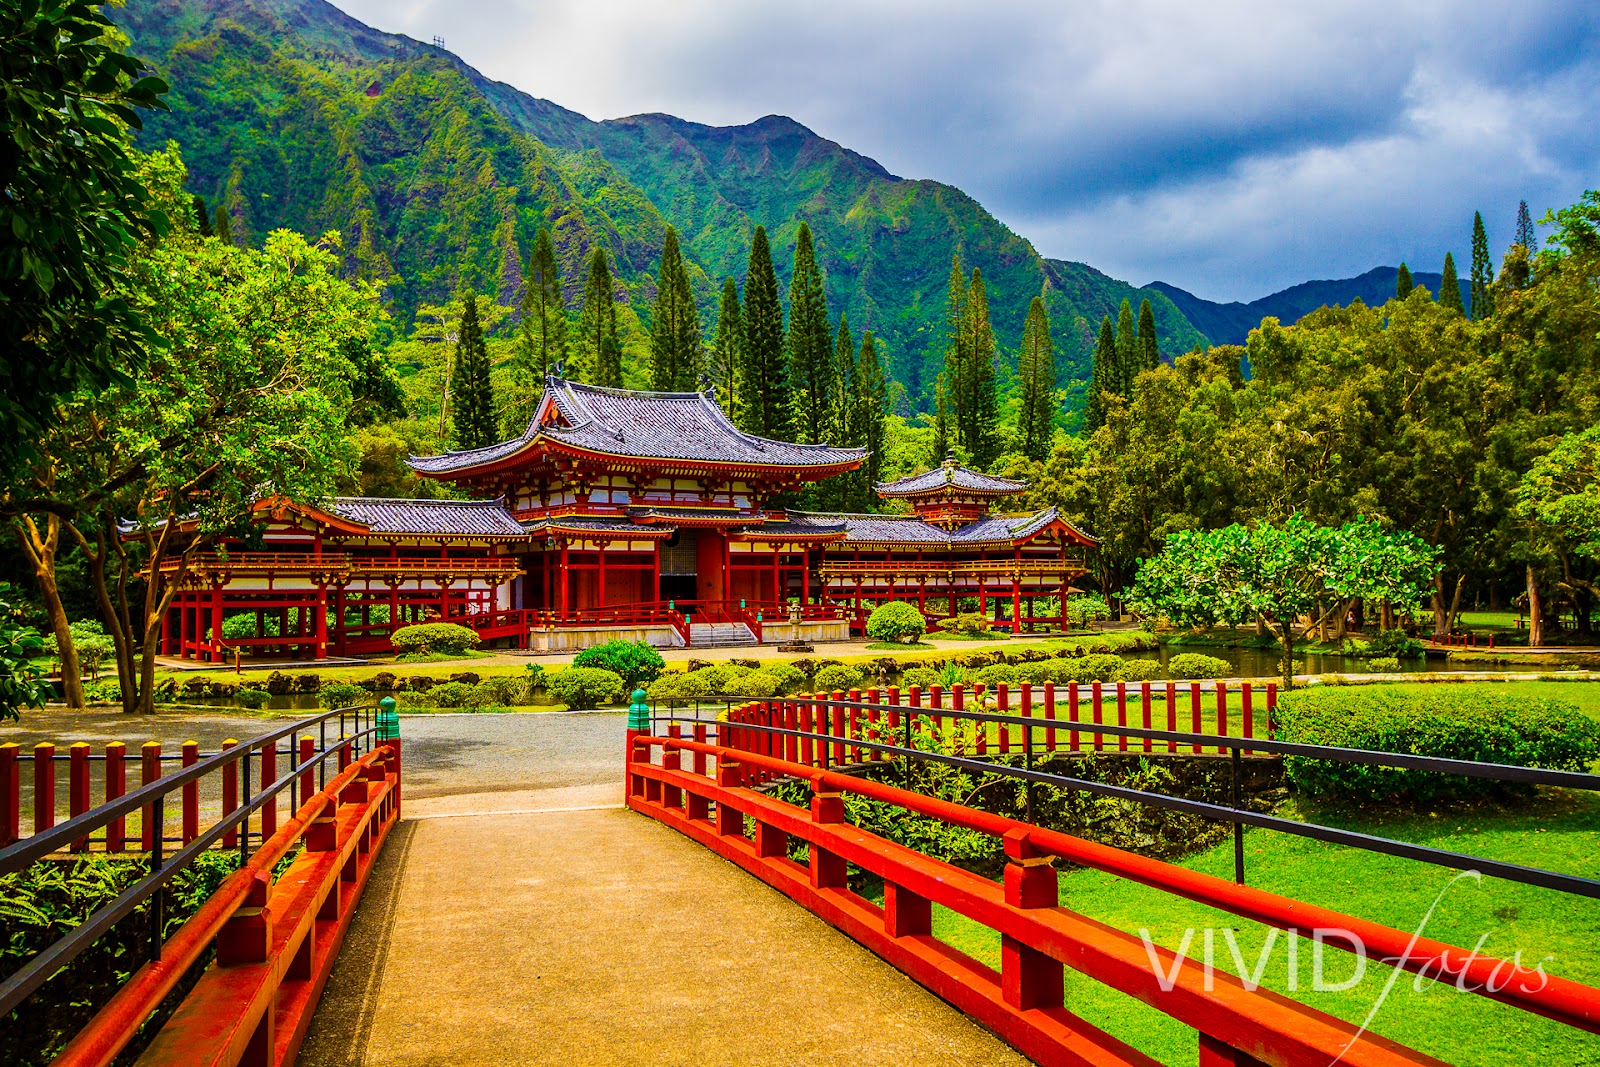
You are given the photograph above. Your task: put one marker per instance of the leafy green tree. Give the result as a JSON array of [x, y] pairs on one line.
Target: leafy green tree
[[1482, 270], [1560, 493], [1526, 236], [542, 332], [813, 377], [72, 214], [727, 351], [599, 350], [202, 216], [1036, 370], [1104, 377], [1274, 574], [978, 417], [1149, 345], [764, 407], [474, 421], [675, 339], [1450, 286], [22, 685], [872, 410], [1127, 350], [1403, 283]]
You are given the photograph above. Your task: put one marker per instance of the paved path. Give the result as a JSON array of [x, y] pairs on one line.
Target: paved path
[[521, 916]]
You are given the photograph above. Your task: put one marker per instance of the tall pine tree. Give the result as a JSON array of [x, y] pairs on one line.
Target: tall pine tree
[[542, 333], [764, 383], [599, 349], [1403, 283], [943, 432], [957, 359], [1482, 270], [812, 377], [1149, 345], [727, 350], [842, 397], [1527, 236], [474, 420], [202, 215], [1450, 285], [872, 413], [1036, 369], [675, 331], [1127, 350], [1103, 378], [978, 423]]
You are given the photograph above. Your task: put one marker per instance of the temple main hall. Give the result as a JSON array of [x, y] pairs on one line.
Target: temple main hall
[[621, 513]]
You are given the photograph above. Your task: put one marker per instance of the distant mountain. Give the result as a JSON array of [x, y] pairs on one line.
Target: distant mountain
[[293, 114], [1229, 324]]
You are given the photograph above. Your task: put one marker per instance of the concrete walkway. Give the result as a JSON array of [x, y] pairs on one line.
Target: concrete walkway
[[548, 925]]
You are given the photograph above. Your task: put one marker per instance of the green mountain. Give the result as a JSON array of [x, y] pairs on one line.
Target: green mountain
[[291, 113]]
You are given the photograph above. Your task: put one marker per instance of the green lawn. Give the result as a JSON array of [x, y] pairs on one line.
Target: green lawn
[[1585, 695], [1559, 833]]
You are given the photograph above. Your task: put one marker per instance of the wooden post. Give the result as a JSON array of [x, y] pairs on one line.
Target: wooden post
[[1144, 700], [905, 914], [807, 755], [1025, 709], [838, 729], [116, 786], [936, 702], [1029, 979], [855, 726], [1050, 715], [78, 788], [1194, 711], [1097, 696], [1072, 713], [1172, 714], [1222, 713], [1246, 711], [191, 794], [10, 794], [230, 793], [1122, 715], [149, 771], [44, 786]]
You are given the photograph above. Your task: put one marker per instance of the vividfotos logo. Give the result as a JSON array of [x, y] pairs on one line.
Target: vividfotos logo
[[1431, 962]]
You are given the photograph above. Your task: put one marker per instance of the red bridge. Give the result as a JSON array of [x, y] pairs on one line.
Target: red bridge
[[497, 879]]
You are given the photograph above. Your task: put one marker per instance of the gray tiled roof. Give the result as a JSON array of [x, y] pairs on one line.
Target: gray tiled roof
[[689, 514], [908, 529], [646, 425], [480, 518], [598, 525], [953, 477]]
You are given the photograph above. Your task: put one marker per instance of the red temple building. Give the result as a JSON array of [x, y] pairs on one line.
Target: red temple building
[[629, 514]]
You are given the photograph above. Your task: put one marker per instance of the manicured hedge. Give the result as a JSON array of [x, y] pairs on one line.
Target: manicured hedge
[[585, 687], [433, 637], [1198, 665], [634, 661], [1443, 721], [896, 621]]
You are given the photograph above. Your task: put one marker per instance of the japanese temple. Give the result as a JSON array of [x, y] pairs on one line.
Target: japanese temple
[[620, 513]]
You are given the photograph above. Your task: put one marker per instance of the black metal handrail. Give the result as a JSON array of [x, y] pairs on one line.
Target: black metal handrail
[[15, 857], [1238, 815]]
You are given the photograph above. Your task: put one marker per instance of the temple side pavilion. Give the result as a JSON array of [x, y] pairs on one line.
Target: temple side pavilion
[[620, 513]]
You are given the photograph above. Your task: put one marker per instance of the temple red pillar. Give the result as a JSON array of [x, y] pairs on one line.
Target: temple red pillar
[[1016, 606], [564, 585], [600, 594], [805, 577], [319, 625], [655, 572], [216, 623]]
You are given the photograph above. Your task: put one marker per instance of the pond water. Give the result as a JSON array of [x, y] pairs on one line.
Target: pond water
[[1263, 662]]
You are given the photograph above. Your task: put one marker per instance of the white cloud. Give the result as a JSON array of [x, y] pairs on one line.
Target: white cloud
[[1230, 148]]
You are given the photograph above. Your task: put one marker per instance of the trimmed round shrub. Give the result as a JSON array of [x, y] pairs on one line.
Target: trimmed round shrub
[[1138, 670], [635, 662], [921, 677], [677, 685], [585, 687], [1489, 728], [996, 673], [338, 695], [1188, 665], [758, 685], [966, 624], [790, 678], [433, 638], [838, 678], [896, 621]]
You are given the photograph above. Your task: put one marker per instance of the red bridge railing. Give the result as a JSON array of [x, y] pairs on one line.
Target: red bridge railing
[[807, 738], [275, 938]]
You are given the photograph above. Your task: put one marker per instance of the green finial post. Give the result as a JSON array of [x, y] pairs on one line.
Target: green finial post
[[639, 713], [388, 720]]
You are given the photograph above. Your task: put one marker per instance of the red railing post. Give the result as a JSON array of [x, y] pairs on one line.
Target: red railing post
[[1172, 714], [874, 717], [914, 700], [1002, 706], [807, 755], [838, 729], [116, 786], [672, 760], [1272, 704], [855, 726], [892, 719], [1025, 710], [269, 774], [308, 777], [10, 794], [1144, 701], [1072, 714], [1247, 716], [1097, 698], [78, 788], [1214, 1053], [44, 786], [149, 771], [1050, 715], [1194, 711], [1122, 715], [230, 792], [936, 703], [1029, 979], [1222, 713], [191, 794], [958, 703]]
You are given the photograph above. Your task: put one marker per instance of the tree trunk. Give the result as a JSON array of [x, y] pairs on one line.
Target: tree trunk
[[1535, 610], [1441, 619], [116, 622], [1455, 603], [41, 553]]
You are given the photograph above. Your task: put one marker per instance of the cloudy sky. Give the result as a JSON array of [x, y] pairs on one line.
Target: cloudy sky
[[1231, 147]]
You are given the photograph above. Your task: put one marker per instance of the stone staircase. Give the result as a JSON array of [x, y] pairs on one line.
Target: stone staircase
[[721, 634]]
